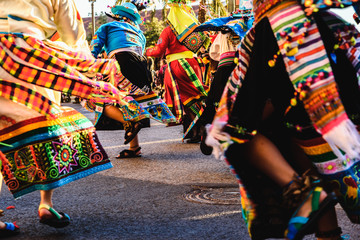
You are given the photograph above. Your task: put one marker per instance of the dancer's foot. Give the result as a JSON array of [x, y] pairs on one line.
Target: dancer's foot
[[51, 217], [8, 229], [305, 218], [133, 152]]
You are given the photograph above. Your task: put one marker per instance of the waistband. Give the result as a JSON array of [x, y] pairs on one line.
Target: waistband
[[134, 49], [176, 56]]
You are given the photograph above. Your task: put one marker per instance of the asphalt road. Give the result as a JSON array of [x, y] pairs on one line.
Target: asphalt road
[[172, 192]]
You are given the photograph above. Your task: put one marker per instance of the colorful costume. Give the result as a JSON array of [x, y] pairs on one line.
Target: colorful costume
[[44, 145], [184, 89], [124, 41], [231, 30], [312, 65]]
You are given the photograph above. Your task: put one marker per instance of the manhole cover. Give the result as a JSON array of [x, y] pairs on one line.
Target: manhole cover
[[214, 195]]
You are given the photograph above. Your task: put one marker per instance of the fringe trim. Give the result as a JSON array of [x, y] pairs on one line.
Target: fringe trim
[[344, 138]]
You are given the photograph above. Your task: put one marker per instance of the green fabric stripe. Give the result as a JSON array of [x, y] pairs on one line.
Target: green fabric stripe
[[192, 75], [322, 157], [315, 201], [309, 73], [81, 124], [289, 22]]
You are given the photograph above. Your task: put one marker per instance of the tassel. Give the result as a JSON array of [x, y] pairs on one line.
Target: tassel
[[344, 137], [215, 137]]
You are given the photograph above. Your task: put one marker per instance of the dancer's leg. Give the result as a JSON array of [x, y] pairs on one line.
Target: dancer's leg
[[46, 198], [114, 113], [264, 155]]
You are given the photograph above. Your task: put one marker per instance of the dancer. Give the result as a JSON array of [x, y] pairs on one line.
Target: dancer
[[298, 54], [223, 50], [45, 145], [184, 89], [124, 41]]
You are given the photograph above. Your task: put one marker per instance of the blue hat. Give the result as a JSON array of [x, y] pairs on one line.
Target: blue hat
[[128, 10]]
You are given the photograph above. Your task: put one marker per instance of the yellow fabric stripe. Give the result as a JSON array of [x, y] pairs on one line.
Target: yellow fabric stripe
[[192, 98], [139, 98], [45, 123], [176, 56], [317, 150]]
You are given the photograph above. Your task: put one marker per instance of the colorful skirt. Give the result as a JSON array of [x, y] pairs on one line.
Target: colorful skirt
[[184, 91], [139, 104], [42, 153], [139, 107], [44, 145]]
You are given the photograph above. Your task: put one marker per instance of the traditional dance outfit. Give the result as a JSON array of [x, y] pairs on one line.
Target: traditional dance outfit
[[312, 65], [44, 145], [124, 41], [223, 50], [183, 80]]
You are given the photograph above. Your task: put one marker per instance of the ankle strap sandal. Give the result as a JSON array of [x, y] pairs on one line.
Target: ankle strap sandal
[[295, 192]]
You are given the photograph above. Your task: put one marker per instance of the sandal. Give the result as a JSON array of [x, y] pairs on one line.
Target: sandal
[[132, 131], [11, 229], [130, 153], [59, 220], [299, 226]]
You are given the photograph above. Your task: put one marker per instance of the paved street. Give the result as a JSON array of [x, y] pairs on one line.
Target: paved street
[[161, 195]]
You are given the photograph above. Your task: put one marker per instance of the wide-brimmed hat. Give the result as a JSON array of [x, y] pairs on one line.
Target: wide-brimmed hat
[[128, 10]]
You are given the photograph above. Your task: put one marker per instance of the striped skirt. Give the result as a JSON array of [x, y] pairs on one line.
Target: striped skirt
[[184, 89], [44, 145]]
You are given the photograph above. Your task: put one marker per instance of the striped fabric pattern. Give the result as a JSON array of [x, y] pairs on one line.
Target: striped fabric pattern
[[28, 97], [234, 83], [310, 60], [48, 153], [226, 59], [27, 59], [342, 174], [192, 75], [177, 105]]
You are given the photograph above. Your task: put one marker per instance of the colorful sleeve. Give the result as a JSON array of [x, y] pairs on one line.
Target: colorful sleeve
[[98, 41], [161, 45], [69, 24]]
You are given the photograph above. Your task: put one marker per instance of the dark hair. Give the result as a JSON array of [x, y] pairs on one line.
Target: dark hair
[[140, 4]]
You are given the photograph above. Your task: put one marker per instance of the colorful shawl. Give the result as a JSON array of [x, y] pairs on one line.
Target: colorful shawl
[[310, 72], [183, 22], [38, 64]]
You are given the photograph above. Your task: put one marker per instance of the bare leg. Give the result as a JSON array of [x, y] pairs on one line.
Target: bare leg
[[114, 113], [265, 156], [46, 198], [134, 144]]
